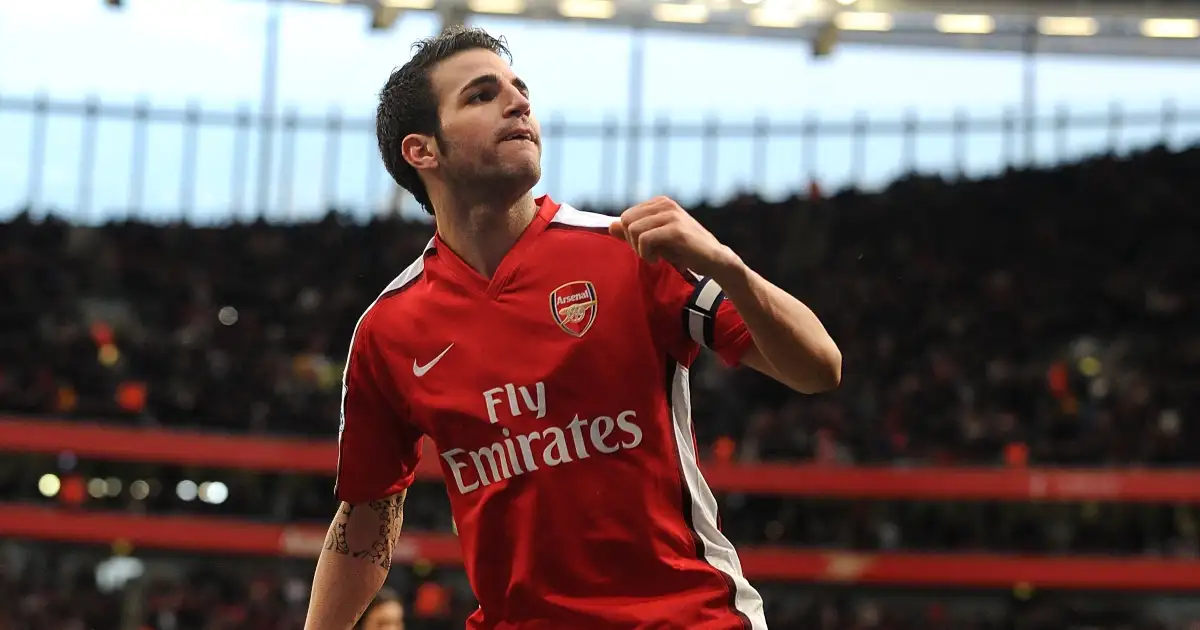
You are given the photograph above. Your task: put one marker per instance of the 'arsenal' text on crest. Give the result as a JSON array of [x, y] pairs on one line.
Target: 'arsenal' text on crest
[[573, 306]]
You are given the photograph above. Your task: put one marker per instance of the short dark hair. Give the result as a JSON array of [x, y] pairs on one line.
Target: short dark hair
[[384, 596], [407, 103]]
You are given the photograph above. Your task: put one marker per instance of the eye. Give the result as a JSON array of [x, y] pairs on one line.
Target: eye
[[481, 97]]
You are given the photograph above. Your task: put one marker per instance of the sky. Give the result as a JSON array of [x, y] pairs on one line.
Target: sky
[[207, 54]]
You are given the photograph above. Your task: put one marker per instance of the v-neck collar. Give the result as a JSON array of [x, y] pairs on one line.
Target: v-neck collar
[[472, 279]]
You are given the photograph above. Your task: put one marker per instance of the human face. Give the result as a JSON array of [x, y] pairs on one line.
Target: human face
[[386, 616], [490, 142]]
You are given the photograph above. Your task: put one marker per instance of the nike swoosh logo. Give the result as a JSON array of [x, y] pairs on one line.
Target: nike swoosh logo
[[420, 370]]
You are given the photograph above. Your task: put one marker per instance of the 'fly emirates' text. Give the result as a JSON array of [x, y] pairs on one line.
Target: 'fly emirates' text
[[549, 447]]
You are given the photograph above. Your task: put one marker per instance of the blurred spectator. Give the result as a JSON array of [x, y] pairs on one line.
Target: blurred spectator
[[385, 612]]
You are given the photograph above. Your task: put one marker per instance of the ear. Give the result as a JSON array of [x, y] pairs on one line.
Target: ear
[[420, 151]]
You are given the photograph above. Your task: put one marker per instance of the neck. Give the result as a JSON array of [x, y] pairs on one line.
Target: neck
[[481, 234]]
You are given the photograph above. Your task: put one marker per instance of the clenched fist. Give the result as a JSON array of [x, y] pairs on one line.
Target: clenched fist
[[661, 229]]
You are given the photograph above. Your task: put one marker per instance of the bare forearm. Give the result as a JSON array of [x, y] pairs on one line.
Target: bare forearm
[[354, 563], [791, 344]]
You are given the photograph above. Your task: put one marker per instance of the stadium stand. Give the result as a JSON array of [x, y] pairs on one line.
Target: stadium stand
[[211, 597], [953, 303], [1038, 318]]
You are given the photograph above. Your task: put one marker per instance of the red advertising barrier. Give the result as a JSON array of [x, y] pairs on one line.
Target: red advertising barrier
[[969, 570], [107, 442]]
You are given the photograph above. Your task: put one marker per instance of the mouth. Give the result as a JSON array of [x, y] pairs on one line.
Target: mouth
[[518, 136]]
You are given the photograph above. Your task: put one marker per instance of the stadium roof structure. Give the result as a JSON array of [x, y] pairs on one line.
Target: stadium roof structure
[[1129, 28]]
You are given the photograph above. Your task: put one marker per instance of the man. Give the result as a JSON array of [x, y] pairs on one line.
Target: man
[[385, 612], [545, 351]]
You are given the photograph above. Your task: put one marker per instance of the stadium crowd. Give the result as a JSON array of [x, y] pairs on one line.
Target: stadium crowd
[[1039, 316], [1051, 309], [1126, 529], [56, 591]]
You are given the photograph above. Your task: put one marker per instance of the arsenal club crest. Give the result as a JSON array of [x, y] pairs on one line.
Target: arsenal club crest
[[573, 306]]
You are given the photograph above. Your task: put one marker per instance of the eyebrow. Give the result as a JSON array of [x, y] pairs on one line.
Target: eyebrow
[[493, 79]]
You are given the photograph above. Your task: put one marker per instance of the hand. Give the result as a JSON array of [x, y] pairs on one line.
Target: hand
[[660, 229]]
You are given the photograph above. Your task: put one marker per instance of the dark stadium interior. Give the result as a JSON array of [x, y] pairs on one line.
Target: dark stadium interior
[[1040, 317], [953, 304], [235, 593], [1061, 527]]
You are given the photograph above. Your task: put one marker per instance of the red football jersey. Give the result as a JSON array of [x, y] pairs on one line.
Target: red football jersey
[[557, 396]]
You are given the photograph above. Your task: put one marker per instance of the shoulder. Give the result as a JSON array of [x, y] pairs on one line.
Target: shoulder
[[584, 231], [581, 232], [581, 235], [581, 221], [397, 297]]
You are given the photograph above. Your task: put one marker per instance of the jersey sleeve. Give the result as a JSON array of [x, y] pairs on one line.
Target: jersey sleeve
[[378, 448], [690, 311]]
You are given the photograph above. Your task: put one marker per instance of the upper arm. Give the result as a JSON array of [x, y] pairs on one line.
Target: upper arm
[[689, 311], [378, 448]]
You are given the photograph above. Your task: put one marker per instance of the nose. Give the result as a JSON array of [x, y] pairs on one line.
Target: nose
[[518, 105]]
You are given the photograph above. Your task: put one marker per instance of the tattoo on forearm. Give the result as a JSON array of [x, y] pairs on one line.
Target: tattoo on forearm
[[389, 513]]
